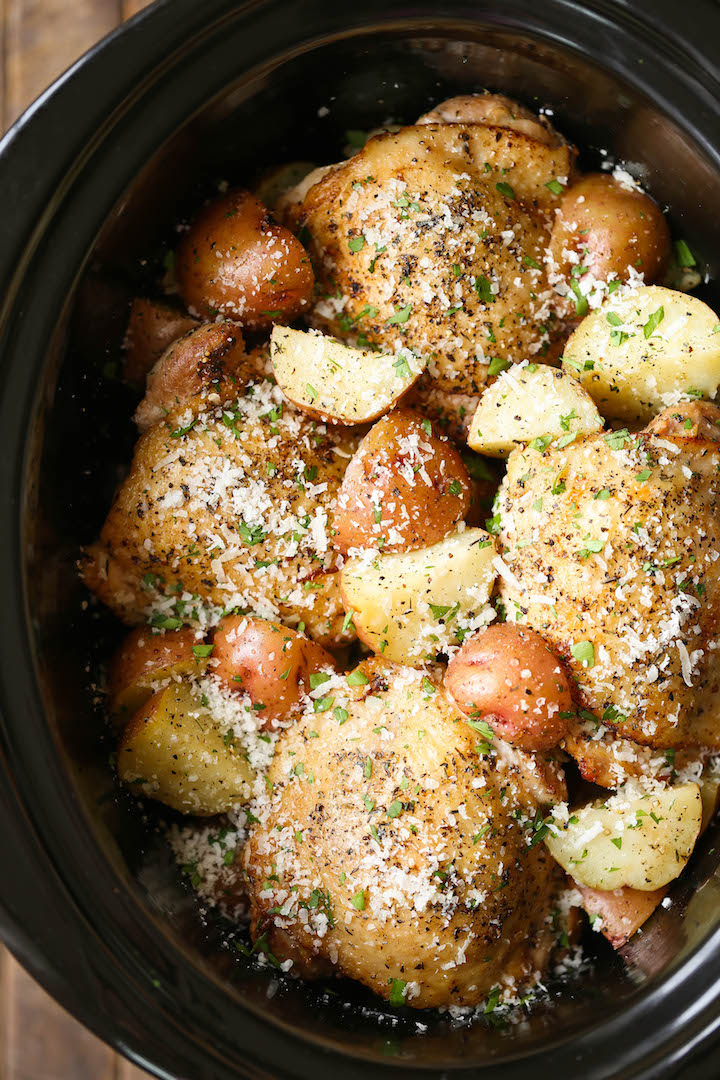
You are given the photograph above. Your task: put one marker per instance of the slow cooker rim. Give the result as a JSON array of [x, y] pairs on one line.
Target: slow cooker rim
[[52, 102]]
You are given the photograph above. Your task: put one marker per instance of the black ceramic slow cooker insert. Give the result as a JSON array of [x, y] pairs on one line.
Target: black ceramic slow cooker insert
[[95, 176]]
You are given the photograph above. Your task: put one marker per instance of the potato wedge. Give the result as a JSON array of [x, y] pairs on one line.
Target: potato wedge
[[643, 842], [527, 403], [410, 606], [645, 350], [624, 911], [173, 751], [145, 662], [335, 383]]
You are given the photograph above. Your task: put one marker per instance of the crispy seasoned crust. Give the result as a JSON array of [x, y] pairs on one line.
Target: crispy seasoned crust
[[393, 850], [432, 237], [612, 549], [226, 506]]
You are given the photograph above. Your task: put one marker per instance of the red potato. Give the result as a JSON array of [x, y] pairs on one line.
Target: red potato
[[622, 912], [205, 358], [508, 676], [494, 110], [152, 327], [609, 229], [144, 661], [405, 488], [236, 261], [270, 663]]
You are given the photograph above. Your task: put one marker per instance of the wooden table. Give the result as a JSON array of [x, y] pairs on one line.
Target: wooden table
[[38, 40]]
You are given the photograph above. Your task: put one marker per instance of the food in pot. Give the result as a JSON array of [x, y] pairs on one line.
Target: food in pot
[[420, 537]]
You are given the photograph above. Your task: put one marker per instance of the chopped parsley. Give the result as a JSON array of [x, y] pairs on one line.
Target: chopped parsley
[[653, 322], [498, 364], [683, 254], [584, 653], [397, 993], [484, 290], [401, 316], [201, 651]]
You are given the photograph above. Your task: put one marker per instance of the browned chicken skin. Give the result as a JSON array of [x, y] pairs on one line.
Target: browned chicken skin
[[392, 851], [433, 238], [611, 546]]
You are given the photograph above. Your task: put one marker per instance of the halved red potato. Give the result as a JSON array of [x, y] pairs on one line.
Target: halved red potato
[[509, 677], [623, 911], [206, 358], [145, 661], [405, 488], [270, 663], [235, 261], [152, 327], [609, 229]]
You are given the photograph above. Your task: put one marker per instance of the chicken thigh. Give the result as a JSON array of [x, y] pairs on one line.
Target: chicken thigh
[[395, 850], [611, 550], [432, 238], [226, 506]]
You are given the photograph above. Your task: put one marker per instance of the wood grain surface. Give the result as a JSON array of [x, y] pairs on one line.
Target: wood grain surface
[[39, 39]]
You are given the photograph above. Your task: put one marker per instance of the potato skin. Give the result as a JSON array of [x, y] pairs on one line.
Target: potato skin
[[448, 909], [410, 478], [508, 676], [611, 229], [622, 911], [152, 328], [209, 358], [236, 261], [270, 663], [495, 110], [145, 658]]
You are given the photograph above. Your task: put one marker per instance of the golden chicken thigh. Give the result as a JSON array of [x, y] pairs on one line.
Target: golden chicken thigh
[[433, 238], [227, 506], [611, 550], [394, 851]]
